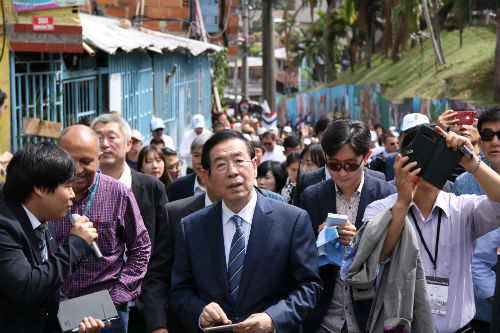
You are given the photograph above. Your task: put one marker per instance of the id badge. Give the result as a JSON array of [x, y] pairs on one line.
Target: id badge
[[437, 288]]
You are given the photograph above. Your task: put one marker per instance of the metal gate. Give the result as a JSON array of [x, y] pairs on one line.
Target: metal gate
[[44, 89]]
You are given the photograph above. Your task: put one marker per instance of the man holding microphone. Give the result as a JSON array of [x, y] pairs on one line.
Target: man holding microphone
[[38, 188]]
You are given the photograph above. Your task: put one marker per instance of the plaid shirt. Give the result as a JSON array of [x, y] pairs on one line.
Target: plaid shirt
[[119, 224]]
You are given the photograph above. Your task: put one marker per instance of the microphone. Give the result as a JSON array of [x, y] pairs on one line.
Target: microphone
[[95, 249]]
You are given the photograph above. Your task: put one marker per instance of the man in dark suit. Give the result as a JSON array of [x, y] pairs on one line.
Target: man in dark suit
[[348, 191], [319, 175], [156, 283], [246, 259], [32, 268], [149, 192], [191, 184]]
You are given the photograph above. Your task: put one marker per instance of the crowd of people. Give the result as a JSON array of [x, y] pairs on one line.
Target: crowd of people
[[224, 231]]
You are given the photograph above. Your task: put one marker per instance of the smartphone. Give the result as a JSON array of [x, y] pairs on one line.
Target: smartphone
[[219, 328], [466, 117], [336, 219]]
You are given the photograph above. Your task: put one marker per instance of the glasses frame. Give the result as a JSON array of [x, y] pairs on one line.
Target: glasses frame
[[492, 137], [349, 167], [233, 163]]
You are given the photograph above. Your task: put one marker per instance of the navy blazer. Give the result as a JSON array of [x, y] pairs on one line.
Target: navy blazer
[[319, 200], [181, 188], [29, 290], [280, 271]]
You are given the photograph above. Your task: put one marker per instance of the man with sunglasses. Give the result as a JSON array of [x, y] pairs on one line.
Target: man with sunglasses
[[485, 253], [346, 144]]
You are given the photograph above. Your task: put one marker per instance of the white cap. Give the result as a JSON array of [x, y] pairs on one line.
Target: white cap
[[307, 141], [261, 131], [156, 123], [412, 120], [198, 121], [287, 129], [374, 135], [136, 135]]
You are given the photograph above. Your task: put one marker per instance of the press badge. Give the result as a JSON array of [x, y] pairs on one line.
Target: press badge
[[437, 289]]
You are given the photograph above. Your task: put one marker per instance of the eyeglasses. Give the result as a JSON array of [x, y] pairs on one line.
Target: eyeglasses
[[177, 165], [223, 166], [488, 135], [336, 167]]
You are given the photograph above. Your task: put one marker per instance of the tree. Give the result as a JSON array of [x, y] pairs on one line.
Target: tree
[[457, 10], [437, 55], [496, 71]]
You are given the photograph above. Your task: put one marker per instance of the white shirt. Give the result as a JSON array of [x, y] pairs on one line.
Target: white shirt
[[465, 218], [34, 221], [198, 189], [185, 148], [228, 226], [126, 177], [275, 155], [169, 142], [208, 202]]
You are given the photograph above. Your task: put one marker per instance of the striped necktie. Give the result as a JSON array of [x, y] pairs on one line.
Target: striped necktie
[[40, 233], [236, 257]]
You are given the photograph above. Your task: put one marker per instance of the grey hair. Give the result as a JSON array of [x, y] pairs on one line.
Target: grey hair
[[65, 131], [113, 118], [200, 140]]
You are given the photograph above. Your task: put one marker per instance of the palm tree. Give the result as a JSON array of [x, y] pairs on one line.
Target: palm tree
[[437, 55]]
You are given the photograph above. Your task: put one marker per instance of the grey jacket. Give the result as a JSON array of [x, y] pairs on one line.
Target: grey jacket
[[400, 300]]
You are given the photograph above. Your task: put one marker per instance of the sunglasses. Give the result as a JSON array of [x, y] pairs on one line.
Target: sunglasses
[[336, 167], [488, 135]]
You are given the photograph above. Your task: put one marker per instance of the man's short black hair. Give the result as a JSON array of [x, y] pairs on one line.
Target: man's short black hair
[[219, 137], [492, 114], [269, 134], [387, 134], [346, 131], [168, 151], [155, 141], [291, 142], [44, 165], [378, 126], [322, 124]]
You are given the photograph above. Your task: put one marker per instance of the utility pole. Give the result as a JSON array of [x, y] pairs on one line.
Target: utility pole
[[244, 60], [269, 65]]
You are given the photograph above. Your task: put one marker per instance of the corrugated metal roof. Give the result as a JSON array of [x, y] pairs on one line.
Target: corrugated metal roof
[[105, 34]]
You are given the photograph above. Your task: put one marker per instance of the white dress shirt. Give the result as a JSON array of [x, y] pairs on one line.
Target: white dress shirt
[[126, 177], [34, 221], [228, 226], [198, 189]]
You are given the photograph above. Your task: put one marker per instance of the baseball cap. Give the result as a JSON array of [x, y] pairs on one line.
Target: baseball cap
[[156, 123], [136, 135], [198, 121], [287, 129], [412, 120], [261, 131]]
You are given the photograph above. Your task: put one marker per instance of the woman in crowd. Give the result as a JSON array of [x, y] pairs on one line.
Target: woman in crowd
[[312, 158], [259, 150], [271, 176], [151, 161], [292, 168]]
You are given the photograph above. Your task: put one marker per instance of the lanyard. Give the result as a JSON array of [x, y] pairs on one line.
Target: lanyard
[[433, 260], [94, 190]]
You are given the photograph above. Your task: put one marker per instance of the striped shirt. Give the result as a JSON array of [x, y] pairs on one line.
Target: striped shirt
[[119, 224]]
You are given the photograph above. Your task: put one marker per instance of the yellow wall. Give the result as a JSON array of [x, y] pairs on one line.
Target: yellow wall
[[5, 86]]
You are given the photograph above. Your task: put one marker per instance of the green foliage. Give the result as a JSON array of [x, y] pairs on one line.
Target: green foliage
[[255, 51], [218, 64]]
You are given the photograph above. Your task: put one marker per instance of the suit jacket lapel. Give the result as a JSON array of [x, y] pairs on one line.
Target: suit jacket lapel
[[213, 230], [261, 226], [25, 223], [51, 240], [364, 200]]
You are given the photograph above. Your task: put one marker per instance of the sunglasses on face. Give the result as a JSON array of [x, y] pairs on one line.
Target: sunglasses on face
[[488, 135], [336, 167]]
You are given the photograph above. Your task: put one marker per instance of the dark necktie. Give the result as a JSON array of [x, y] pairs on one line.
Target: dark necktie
[[236, 257], [40, 233]]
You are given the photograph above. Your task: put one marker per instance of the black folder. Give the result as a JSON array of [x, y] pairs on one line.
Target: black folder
[[97, 305], [428, 149]]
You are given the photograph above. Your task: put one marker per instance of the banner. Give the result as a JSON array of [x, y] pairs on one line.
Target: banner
[[28, 5]]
